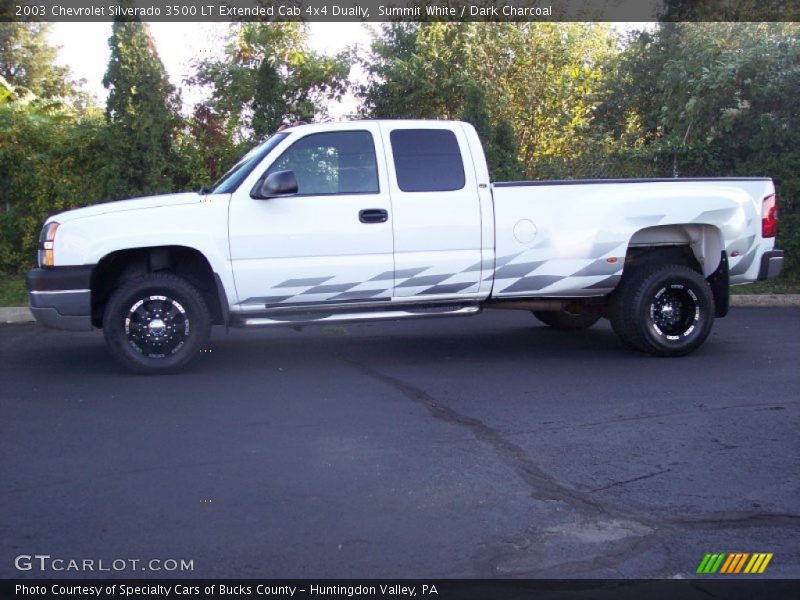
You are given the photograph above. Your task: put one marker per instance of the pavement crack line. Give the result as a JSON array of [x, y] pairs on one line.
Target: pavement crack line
[[737, 520], [513, 455], [626, 481]]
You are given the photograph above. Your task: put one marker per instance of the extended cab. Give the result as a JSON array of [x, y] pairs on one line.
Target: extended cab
[[397, 219]]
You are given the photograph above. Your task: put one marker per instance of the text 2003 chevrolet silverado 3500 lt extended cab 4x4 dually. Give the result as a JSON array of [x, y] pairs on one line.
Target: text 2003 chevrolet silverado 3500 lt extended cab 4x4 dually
[[397, 219]]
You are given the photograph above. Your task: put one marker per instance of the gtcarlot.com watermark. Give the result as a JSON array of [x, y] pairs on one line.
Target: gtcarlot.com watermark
[[46, 563]]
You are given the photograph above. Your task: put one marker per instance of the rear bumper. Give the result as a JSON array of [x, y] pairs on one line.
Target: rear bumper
[[771, 264], [60, 297]]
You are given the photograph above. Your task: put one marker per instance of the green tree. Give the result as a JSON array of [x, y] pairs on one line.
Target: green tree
[[730, 10], [268, 74], [48, 161], [542, 78], [507, 166], [499, 143], [48, 141], [28, 62], [418, 70], [701, 96], [204, 151], [141, 111]]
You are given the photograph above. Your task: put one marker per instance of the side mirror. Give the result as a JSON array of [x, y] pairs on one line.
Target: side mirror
[[280, 183]]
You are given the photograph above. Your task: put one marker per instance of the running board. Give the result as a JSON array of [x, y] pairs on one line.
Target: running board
[[323, 318]]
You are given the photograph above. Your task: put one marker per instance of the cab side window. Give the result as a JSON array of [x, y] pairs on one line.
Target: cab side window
[[427, 160], [336, 162]]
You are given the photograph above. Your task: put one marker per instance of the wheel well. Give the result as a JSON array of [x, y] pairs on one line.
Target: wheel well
[[704, 243], [123, 265], [651, 256]]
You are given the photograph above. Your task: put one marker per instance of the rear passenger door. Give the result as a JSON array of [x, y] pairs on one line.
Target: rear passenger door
[[436, 211]]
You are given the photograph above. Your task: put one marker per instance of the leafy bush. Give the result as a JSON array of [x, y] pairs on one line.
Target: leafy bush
[[48, 160]]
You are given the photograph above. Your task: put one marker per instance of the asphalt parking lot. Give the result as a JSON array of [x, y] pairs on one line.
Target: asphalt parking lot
[[482, 447]]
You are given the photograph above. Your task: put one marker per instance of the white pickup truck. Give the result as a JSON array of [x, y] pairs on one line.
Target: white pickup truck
[[375, 220]]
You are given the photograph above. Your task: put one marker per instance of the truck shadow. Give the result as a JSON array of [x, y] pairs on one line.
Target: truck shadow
[[424, 343]]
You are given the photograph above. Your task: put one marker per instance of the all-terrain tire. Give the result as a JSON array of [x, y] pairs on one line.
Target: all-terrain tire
[[668, 311], [156, 323]]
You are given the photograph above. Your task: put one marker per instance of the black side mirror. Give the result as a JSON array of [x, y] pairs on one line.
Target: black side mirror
[[280, 183]]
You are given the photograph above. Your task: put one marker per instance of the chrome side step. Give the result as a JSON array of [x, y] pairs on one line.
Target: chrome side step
[[322, 318]]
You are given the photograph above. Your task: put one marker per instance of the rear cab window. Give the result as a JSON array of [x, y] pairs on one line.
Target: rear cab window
[[427, 160]]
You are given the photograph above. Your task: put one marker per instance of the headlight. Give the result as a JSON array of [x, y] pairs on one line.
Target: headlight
[[46, 242]]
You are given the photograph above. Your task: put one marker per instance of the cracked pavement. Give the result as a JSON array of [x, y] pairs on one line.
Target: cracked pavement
[[483, 447]]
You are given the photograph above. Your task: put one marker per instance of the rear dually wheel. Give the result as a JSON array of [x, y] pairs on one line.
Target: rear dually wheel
[[665, 312]]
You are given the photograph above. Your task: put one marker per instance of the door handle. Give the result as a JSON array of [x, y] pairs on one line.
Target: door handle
[[373, 215]]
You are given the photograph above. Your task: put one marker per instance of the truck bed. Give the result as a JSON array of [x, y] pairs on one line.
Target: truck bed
[[569, 238]]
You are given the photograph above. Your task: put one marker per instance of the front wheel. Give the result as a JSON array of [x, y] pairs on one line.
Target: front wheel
[[156, 323], [665, 312]]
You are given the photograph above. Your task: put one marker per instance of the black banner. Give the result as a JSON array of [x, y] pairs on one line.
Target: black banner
[[370, 589], [399, 10]]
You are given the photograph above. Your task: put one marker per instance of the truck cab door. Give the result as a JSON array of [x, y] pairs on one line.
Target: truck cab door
[[436, 211], [332, 241]]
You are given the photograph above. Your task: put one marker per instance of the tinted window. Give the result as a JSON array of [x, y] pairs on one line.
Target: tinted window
[[427, 160], [337, 162]]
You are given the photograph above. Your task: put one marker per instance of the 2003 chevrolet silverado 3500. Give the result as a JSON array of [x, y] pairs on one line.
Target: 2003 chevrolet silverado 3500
[[397, 219]]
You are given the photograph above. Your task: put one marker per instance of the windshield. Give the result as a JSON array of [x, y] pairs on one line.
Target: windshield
[[228, 183]]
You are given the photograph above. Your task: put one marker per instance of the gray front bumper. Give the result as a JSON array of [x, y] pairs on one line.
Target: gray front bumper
[[60, 297]]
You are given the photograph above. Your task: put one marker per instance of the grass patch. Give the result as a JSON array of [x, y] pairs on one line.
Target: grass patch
[[771, 286], [12, 290]]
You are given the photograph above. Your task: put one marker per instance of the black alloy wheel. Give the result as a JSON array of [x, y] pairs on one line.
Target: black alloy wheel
[[156, 323], [668, 311]]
